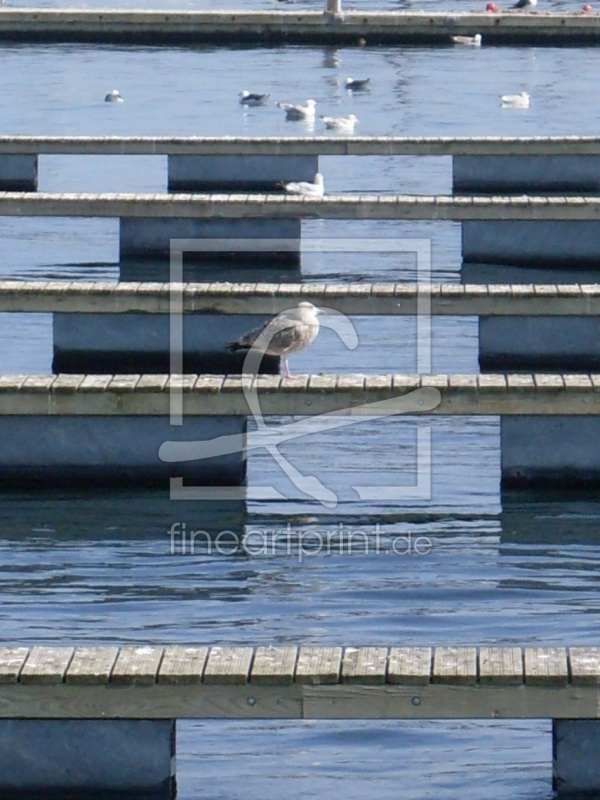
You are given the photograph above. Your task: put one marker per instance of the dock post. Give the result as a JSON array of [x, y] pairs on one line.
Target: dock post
[[238, 173], [141, 343], [576, 757], [333, 7], [88, 757], [549, 450], [18, 173], [554, 344]]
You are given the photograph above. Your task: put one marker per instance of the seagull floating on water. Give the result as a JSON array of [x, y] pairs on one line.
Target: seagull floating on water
[[467, 41], [315, 189], [342, 124], [114, 97], [289, 332], [516, 100], [520, 4], [252, 99], [299, 112], [357, 84]]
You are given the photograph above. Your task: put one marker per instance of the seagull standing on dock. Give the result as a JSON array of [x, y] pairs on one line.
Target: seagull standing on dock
[[253, 99], [467, 41], [293, 112], [114, 97], [340, 124], [515, 100], [315, 189], [289, 332], [524, 4]]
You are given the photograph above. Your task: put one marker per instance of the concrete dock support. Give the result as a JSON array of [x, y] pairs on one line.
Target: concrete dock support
[[516, 174], [69, 451], [546, 450], [576, 757], [142, 343], [333, 7], [560, 344], [18, 173], [238, 173], [549, 243], [271, 242], [88, 757]]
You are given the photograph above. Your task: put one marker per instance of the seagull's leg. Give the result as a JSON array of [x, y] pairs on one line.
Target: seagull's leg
[[288, 374]]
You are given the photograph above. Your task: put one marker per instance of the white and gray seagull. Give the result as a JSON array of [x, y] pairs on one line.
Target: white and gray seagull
[[315, 189], [293, 112], [253, 99], [289, 332], [515, 100], [340, 124], [114, 97], [357, 84], [467, 41]]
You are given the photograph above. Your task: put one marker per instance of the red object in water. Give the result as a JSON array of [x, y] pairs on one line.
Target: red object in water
[[588, 9], [492, 7]]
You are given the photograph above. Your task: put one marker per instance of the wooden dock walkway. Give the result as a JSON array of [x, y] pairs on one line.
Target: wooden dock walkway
[[306, 395], [394, 299], [299, 682], [281, 206], [297, 27], [302, 145]]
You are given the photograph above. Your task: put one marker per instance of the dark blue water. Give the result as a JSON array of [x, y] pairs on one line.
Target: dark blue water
[[513, 569]]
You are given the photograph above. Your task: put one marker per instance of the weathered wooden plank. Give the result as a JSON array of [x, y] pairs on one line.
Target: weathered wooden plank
[[455, 665], [228, 665], [11, 663], [364, 665], [584, 666], [409, 665], [137, 665], [546, 666], [182, 665], [501, 665], [559, 24], [317, 665], [91, 665], [274, 665], [46, 665]]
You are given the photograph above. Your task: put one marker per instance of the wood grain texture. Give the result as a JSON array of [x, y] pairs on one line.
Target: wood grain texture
[[274, 665], [46, 665], [546, 666], [12, 660], [228, 665], [319, 665], [364, 665], [182, 665], [91, 665], [501, 665], [137, 665], [410, 665], [455, 665]]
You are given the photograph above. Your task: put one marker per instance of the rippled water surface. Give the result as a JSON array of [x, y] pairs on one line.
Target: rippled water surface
[[101, 567]]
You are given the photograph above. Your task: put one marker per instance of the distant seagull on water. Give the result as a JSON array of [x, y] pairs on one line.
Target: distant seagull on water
[[289, 332], [293, 112], [523, 4], [357, 84], [114, 97], [516, 100], [340, 124], [315, 189], [252, 99], [467, 41]]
